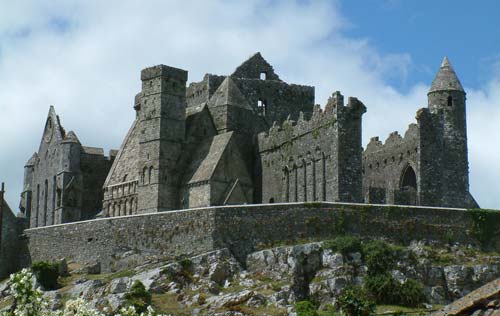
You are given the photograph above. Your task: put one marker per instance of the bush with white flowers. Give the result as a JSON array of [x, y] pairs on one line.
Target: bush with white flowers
[[29, 301]]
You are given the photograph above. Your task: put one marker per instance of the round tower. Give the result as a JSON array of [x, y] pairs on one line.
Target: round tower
[[446, 100]]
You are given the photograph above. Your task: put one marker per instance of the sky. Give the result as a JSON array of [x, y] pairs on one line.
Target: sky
[[85, 57]]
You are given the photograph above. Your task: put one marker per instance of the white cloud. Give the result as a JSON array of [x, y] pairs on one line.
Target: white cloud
[[85, 58]]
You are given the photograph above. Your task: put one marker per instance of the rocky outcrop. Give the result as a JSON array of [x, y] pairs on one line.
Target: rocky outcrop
[[484, 301], [215, 283]]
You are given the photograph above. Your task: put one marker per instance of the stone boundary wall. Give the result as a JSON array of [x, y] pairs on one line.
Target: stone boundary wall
[[243, 229], [11, 244]]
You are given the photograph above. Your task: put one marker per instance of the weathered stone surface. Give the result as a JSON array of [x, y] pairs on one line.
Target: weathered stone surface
[[64, 179], [240, 229], [483, 301], [120, 285], [88, 289], [429, 165]]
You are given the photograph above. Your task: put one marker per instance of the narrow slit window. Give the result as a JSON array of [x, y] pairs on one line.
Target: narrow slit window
[[262, 107], [450, 101]]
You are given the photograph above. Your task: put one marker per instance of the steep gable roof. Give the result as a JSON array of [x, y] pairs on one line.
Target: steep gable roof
[[125, 161], [53, 130], [207, 158], [228, 93]]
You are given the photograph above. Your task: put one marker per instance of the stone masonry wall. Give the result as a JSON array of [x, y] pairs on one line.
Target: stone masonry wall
[[242, 229], [384, 165], [11, 243], [162, 235], [315, 159]]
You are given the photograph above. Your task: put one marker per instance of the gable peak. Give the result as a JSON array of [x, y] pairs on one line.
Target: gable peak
[[255, 67]]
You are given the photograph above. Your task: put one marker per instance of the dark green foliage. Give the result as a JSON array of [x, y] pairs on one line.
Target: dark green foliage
[[411, 293], [184, 275], [340, 222], [306, 308], [46, 273], [386, 290], [344, 244], [138, 297], [355, 302], [383, 288], [186, 264], [485, 225], [379, 257]]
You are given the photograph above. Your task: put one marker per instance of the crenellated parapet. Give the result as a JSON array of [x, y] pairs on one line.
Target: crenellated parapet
[[315, 159], [393, 141], [289, 130]]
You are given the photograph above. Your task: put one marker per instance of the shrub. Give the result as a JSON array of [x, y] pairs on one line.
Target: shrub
[[306, 308], [411, 293], [386, 290], [138, 297], [344, 244], [383, 288], [186, 264], [485, 226], [46, 273], [355, 302], [379, 257]]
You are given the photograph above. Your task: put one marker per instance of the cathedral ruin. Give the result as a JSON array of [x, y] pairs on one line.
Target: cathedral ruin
[[249, 138]]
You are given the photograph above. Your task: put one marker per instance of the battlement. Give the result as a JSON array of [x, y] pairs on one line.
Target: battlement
[[334, 110], [394, 140], [165, 72]]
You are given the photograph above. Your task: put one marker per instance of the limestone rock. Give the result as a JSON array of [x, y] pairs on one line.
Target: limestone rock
[[87, 290], [120, 285], [329, 259], [457, 278], [229, 300], [54, 299], [148, 278]]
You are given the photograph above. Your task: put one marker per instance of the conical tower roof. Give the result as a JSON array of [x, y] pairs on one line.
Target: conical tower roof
[[446, 79], [229, 94]]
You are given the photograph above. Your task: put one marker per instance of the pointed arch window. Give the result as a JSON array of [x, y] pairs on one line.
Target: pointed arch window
[[150, 175], [409, 179], [143, 175]]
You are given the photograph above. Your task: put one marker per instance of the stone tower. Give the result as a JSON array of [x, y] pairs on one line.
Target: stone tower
[[446, 100], [162, 119]]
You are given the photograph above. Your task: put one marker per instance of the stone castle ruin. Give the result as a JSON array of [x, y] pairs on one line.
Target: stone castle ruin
[[249, 138]]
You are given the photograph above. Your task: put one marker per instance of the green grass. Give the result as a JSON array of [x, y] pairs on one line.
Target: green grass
[[389, 309], [168, 304]]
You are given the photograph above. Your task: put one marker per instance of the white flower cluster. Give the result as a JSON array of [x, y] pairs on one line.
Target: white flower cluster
[[29, 301]]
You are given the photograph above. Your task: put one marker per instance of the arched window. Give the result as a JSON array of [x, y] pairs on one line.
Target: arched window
[[143, 175], [262, 107], [263, 75], [409, 179], [450, 101], [271, 200], [150, 174], [45, 202], [287, 184]]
